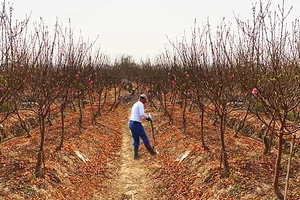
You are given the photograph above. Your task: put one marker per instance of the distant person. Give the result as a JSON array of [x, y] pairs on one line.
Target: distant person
[[136, 127]]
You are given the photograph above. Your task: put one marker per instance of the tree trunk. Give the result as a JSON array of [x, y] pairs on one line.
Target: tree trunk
[[167, 113], [240, 124], [184, 116], [40, 158], [91, 101], [62, 129], [115, 98], [202, 128], [268, 140], [98, 113], [277, 166], [80, 116], [22, 122], [224, 159], [226, 171]]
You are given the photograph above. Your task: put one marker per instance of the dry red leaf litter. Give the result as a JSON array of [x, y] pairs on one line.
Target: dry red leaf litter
[[197, 176]]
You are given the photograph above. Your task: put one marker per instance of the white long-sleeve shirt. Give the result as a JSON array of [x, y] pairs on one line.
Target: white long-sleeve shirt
[[137, 112]]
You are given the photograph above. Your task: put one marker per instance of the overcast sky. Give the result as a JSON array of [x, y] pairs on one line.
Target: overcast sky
[[138, 28]]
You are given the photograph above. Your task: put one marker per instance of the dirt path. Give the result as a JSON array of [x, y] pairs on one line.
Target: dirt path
[[133, 175]]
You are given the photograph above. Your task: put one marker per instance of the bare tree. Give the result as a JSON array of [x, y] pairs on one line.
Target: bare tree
[[274, 61]]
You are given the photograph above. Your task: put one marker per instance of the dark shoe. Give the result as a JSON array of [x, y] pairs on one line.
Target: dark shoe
[[150, 149], [136, 153]]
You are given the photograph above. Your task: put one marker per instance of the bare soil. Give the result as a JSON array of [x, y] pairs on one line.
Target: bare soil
[[132, 179], [110, 172]]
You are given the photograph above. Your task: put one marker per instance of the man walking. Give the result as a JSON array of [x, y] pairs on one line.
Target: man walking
[[136, 127]]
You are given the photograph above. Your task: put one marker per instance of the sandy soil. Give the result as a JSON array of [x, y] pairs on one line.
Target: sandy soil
[[133, 179]]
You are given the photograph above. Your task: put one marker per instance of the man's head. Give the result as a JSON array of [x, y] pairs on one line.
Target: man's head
[[143, 98]]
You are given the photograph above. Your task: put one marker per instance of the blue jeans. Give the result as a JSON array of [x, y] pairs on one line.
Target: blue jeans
[[137, 131]]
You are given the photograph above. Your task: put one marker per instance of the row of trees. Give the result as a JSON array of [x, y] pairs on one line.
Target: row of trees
[[46, 71], [258, 67]]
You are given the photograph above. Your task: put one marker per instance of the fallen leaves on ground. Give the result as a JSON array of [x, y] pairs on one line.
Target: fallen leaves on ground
[[197, 176]]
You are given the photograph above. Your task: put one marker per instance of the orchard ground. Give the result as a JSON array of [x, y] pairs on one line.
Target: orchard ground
[[99, 164]]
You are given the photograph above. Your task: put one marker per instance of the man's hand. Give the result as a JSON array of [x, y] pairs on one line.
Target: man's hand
[[149, 118]]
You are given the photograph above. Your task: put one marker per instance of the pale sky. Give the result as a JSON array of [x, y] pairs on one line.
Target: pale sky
[[138, 28]]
